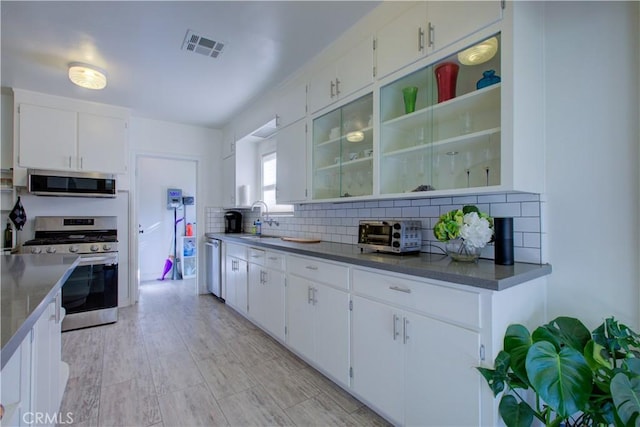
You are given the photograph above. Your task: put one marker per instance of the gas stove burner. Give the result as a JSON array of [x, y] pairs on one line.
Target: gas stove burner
[[76, 235]]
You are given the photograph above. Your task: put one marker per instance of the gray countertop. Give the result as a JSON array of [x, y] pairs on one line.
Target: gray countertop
[[29, 283], [483, 274]]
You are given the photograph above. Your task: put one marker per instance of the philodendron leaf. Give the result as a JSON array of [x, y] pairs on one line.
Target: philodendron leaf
[[497, 377], [633, 365], [515, 414], [594, 355], [517, 341], [470, 208], [561, 378], [626, 397], [563, 331]]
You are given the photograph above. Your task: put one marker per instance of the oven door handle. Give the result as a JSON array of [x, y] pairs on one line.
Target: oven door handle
[[105, 260]]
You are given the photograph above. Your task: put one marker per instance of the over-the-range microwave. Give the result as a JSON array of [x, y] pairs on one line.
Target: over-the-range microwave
[[74, 184]]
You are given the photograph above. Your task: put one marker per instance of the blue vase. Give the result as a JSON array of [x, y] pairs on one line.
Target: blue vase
[[489, 78]]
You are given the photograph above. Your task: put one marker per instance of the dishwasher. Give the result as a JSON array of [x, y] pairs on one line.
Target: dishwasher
[[213, 254]]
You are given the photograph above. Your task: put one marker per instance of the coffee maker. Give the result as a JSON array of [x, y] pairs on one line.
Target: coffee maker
[[233, 222]]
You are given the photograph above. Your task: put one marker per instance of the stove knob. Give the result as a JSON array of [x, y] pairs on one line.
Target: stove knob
[[74, 248], [106, 247], [94, 248], [36, 250], [51, 250]]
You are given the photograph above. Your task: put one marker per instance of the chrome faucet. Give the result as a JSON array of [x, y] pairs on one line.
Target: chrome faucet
[[265, 218]]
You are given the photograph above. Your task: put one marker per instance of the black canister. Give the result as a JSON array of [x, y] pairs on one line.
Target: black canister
[[503, 228]]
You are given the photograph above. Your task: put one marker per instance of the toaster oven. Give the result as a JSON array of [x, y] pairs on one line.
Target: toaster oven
[[390, 236]]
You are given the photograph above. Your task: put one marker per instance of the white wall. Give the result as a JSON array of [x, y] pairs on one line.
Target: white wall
[[178, 141], [592, 142]]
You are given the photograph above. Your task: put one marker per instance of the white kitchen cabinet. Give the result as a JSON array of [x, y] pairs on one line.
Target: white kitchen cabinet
[[291, 167], [15, 391], [387, 322], [350, 73], [401, 41], [49, 373], [377, 356], [59, 139], [235, 277], [102, 143], [429, 27], [291, 104], [318, 315], [48, 137], [451, 21], [229, 181], [241, 169], [228, 147], [267, 291]]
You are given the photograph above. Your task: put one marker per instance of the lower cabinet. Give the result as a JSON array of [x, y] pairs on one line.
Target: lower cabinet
[[16, 386], [428, 363], [34, 379], [236, 282], [318, 325], [266, 294]]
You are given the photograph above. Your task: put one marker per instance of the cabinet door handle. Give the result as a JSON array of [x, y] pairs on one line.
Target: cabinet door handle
[[331, 86], [69, 161], [420, 39], [337, 87], [309, 294], [432, 34], [81, 162], [315, 300], [311, 267], [400, 289], [396, 333], [273, 258], [405, 328]]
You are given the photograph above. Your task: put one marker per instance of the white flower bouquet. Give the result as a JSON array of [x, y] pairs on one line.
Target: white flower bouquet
[[475, 228]]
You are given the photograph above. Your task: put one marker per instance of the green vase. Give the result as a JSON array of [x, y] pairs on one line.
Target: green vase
[[409, 94]]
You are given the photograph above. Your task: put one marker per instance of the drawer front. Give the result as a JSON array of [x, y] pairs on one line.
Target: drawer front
[[237, 251], [319, 271], [448, 303], [274, 260], [256, 256]]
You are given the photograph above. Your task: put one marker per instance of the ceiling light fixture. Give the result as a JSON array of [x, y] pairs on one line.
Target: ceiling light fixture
[[482, 52], [355, 136], [87, 76]]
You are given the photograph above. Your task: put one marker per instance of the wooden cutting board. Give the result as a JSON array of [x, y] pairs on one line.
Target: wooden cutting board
[[300, 240]]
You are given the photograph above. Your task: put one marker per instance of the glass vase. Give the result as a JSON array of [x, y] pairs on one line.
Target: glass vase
[[458, 250]]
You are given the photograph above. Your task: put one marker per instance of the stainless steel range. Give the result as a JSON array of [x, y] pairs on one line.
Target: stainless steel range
[[90, 295]]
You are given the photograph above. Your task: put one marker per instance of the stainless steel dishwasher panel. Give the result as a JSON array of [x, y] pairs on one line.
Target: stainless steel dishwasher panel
[[213, 253]]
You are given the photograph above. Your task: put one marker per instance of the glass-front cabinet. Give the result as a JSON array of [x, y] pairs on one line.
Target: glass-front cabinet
[[440, 126], [343, 151]]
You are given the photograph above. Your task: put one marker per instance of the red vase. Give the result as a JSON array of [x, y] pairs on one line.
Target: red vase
[[446, 77]]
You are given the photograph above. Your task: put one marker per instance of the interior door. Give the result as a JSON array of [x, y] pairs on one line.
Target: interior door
[[156, 222]]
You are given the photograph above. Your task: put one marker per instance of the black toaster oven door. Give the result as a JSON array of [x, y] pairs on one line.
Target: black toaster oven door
[[375, 234]]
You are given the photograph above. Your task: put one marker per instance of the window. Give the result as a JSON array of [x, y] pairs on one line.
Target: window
[[269, 185]]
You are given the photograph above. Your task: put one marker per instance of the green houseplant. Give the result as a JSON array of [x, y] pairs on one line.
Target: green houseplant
[[579, 378]]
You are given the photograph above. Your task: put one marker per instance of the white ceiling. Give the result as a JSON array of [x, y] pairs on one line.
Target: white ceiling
[[139, 44]]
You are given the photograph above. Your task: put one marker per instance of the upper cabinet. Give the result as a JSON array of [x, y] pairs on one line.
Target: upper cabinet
[[291, 104], [451, 139], [429, 27], [350, 73], [64, 134], [291, 171], [342, 151]]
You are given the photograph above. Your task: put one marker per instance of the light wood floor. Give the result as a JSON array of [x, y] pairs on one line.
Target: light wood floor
[[179, 359]]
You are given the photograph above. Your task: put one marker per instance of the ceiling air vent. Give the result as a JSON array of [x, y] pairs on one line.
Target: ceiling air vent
[[203, 45]]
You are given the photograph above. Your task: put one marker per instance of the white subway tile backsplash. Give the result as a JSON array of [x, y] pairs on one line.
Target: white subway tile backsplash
[[338, 222], [523, 197], [530, 208], [492, 198], [505, 210]]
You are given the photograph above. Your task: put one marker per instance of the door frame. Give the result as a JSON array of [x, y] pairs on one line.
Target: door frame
[[134, 244]]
